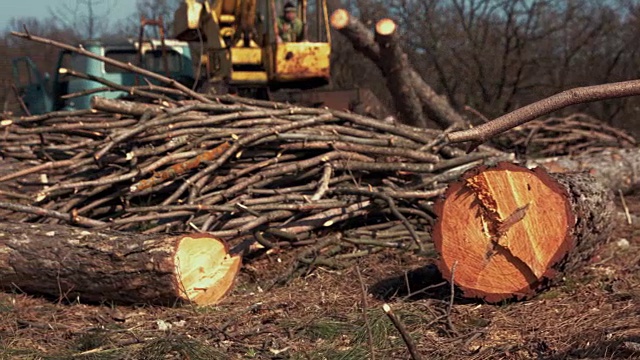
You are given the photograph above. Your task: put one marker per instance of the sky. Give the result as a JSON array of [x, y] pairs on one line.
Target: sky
[[40, 9]]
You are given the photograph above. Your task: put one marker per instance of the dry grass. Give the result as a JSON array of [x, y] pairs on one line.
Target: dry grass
[[593, 315]]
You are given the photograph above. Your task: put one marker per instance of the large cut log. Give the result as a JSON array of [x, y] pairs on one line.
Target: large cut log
[[435, 106], [508, 232], [394, 62], [97, 266]]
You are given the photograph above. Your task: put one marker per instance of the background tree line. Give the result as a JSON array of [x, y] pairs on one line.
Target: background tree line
[[491, 56], [494, 56], [72, 21]]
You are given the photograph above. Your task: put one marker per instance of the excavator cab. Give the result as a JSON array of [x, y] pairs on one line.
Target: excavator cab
[[306, 62], [239, 39]]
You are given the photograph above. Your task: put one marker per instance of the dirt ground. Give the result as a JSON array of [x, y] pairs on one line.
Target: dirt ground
[[591, 315]]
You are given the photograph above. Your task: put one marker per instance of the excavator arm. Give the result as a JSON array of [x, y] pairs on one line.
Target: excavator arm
[[248, 21], [228, 29]]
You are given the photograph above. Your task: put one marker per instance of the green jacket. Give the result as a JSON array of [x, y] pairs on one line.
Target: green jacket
[[290, 31]]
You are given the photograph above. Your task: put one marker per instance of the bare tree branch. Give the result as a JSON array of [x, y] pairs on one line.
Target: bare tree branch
[[580, 95]]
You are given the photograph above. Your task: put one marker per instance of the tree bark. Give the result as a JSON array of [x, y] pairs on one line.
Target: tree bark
[[393, 62], [97, 266], [436, 107], [616, 169], [125, 107], [508, 232]]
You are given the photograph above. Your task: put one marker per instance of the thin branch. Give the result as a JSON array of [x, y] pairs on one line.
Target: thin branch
[[363, 292], [486, 131], [452, 296], [403, 332], [324, 182], [71, 218]]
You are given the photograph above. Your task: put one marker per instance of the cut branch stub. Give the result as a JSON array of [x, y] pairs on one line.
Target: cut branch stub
[[512, 230], [386, 27], [339, 19]]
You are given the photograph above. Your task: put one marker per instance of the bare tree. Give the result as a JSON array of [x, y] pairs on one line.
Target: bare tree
[[153, 9], [149, 9], [90, 18], [44, 57]]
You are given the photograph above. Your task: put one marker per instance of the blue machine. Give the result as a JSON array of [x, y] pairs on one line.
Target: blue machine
[[41, 94]]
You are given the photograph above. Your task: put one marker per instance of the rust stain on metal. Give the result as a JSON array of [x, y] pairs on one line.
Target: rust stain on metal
[[300, 60]]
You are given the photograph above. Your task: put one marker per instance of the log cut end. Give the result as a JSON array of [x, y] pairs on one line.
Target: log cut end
[[339, 19], [386, 27], [205, 269], [502, 230]]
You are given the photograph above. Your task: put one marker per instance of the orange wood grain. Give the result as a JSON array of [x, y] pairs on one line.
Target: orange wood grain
[[504, 228]]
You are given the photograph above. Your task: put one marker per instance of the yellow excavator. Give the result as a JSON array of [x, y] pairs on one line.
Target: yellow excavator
[[242, 51]]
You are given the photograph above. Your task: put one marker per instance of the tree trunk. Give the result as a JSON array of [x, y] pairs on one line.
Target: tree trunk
[[435, 106], [96, 266], [616, 169], [507, 232], [393, 62]]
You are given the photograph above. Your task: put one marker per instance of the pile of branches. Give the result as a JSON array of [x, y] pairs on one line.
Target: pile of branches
[[571, 135], [340, 184], [238, 168], [246, 171]]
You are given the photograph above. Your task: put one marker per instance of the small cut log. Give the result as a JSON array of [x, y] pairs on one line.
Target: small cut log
[[96, 266]]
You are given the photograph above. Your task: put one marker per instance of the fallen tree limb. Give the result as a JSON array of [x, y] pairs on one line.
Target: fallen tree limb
[[97, 266], [180, 168], [363, 40], [132, 90], [482, 133], [70, 218], [394, 65], [125, 107]]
